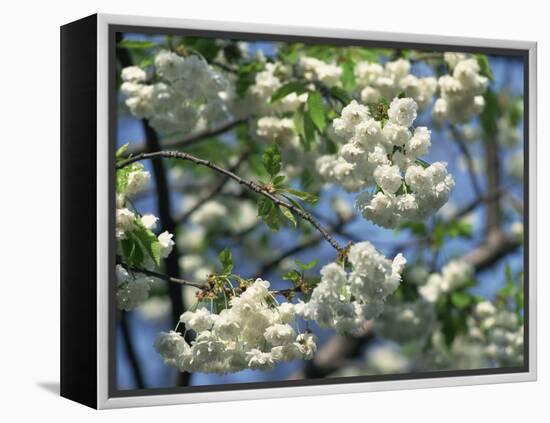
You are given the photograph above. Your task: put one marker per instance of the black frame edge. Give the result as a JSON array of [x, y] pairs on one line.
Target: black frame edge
[[78, 361]]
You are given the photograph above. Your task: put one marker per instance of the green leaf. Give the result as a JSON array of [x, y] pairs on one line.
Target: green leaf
[[306, 266], [246, 76], [461, 299], [135, 44], [316, 110], [348, 75], [148, 241], [484, 66], [491, 113], [309, 132], [288, 214], [304, 196], [292, 275], [122, 150], [341, 95], [272, 160], [297, 87], [299, 122], [265, 206], [293, 202], [226, 259], [278, 181], [132, 251], [272, 220]]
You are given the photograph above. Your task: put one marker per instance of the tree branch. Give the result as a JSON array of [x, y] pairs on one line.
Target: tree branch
[[457, 136], [131, 352], [164, 276], [250, 184]]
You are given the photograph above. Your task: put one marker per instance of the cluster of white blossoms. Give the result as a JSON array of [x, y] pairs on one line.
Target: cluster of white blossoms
[[251, 333], [133, 287], [454, 275], [185, 94], [345, 300], [376, 82], [266, 82], [276, 129], [500, 331], [407, 321], [461, 91], [314, 69], [387, 156]]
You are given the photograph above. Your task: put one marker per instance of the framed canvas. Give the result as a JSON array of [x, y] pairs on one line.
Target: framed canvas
[[253, 211]]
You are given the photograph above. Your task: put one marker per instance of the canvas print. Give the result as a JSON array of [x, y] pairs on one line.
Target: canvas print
[[303, 210]]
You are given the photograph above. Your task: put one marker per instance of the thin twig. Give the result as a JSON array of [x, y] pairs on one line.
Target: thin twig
[[457, 136], [165, 277], [250, 184]]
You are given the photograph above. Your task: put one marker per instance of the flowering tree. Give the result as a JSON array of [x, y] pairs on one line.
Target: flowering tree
[[260, 146]]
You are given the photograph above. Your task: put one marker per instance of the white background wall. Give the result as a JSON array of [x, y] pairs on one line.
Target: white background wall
[[29, 167]]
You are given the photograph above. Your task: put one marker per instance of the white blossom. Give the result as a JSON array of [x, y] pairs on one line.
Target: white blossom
[[344, 301], [387, 159], [454, 275], [461, 92], [166, 243], [186, 94], [317, 70], [132, 289]]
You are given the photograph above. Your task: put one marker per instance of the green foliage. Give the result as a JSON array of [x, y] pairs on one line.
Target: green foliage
[[490, 114], [341, 95], [293, 275], [348, 75], [484, 66], [226, 259], [304, 196], [120, 152], [461, 299], [131, 251], [289, 53], [288, 214], [297, 87], [148, 241], [306, 266], [316, 110], [206, 47], [246, 75], [309, 132], [458, 228], [140, 241], [136, 44], [268, 212], [272, 160], [511, 293]]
